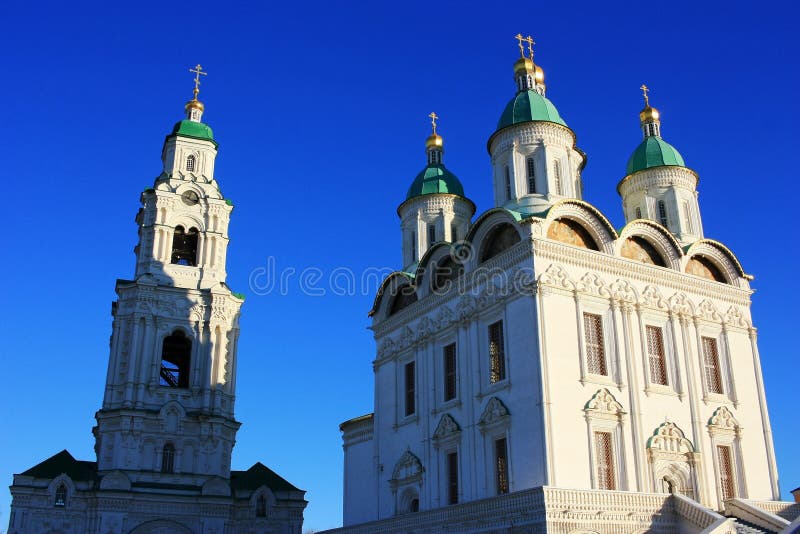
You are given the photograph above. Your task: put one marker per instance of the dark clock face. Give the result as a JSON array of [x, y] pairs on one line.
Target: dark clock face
[[190, 198]]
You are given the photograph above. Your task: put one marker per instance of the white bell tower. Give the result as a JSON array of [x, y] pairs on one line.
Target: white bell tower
[[167, 414]]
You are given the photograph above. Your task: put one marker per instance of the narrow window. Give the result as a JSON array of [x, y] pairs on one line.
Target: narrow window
[[557, 177], [662, 213], [501, 465], [175, 357], [655, 352], [687, 212], [261, 506], [61, 495], [168, 458], [595, 348], [711, 365], [726, 472], [638, 213], [497, 358], [508, 184], [431, 234], [452, 478], [450, 372], [409, 389], [531, 176], [184, 246], [190, 164], [413, 505], [453, 232], [413, 246], [605, 460]]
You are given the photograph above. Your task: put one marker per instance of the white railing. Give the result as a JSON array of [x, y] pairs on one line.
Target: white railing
[[751, 512], [694, 517], [787, 510]]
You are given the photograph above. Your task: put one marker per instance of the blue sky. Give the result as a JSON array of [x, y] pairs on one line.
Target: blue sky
[[321, 111]]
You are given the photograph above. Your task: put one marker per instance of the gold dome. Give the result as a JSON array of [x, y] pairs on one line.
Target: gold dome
[[523, 64], [194, 104], [649, 114], [526, 66], [434, 141]]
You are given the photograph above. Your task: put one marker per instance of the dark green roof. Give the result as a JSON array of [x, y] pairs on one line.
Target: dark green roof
[[653, 152], [257, 476], [435, 179], [63, 462], [196, 130], [529, 106]]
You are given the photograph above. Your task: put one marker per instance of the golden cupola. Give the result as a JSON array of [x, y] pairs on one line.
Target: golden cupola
[[649, 117], [194, 108], [528, 75]]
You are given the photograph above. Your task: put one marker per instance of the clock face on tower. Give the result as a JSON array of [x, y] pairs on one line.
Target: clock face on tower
[[190, 198]]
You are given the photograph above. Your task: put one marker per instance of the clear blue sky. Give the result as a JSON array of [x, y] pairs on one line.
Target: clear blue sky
[[320, 111]]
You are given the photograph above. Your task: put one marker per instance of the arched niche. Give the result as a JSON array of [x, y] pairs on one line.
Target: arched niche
[[405, 296], [703, 267], [500, 238], [571, 232], [640, 249]]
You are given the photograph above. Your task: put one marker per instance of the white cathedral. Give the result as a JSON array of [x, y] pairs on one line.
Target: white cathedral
[[538, 370], [166, 429]]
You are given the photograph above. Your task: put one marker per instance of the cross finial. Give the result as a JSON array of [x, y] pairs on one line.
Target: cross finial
[[645, 90], [530, 42], [519, 39], [198, 71], [433, 117]]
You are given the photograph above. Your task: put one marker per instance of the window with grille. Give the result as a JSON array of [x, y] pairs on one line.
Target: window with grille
[[711, 365], [662, 213], [450, 372], [655, 352], [168, 458], [595, 348], [604, 454], [508, 183], [726, 480], [431, 234], [61, 495], [409, 388], [452, 478], [501, 465], [531, 176], [497, 358], [557, 177], [190, 164], [687, 212], [638, 213]]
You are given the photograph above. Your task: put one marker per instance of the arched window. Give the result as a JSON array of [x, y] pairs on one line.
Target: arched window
[[701, 266], [175, 357], [531, 176], [190, 163], [404, 296], [557, 178], [639, 249], [61, 495], [184, 246], [662, 213], [508, 183], [261, 506], [446, 271], [502, 237], [638, 213], [168, 458]]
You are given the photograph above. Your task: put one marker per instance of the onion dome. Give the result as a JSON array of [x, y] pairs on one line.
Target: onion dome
[[435, 178], [653, 150]]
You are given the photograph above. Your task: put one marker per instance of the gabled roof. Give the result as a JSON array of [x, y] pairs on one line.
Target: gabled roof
[[63, 462], [257, 476]]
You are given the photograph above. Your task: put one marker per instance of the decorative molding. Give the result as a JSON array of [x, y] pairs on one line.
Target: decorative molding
[[494, 415], [407, 470], [722, 421], [447, 431]]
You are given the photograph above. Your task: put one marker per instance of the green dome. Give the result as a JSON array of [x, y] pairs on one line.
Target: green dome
[[653, 152], [529, 106], [435, 179], [197, 130]]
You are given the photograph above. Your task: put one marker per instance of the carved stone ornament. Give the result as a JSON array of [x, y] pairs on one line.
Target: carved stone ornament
[[707, 310], [446, 429], [722, 420], [407, 469], [680, 304], [603, 402], [466, 307], [652, 298], [594, 285], [556, 276], [622, 291], [494, 414], [669, 437], [735, 317]]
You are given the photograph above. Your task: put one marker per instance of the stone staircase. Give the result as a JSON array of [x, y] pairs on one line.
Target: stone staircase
[[745, 527]]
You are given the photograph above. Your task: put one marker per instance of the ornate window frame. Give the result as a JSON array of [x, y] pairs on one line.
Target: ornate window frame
[[401, 418], [440, 372], [717, 332], [648, 318], [447, 440], [673, 456], [602, 308], [604, 414], [725, 430], [406, 479], [487, 386], [495, 423]]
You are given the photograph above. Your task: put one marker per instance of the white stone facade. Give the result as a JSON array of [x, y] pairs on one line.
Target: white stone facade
[[166, 430]]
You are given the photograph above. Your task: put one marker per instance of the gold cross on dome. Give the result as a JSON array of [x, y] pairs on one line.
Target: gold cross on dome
[[519, 39], [433, 117], [530, 42], [198, 71], [645, 90]]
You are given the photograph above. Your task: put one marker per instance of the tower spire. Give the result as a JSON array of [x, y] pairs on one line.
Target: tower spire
[[649, 117], [194, 108], [528, 75], [434, 144]]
